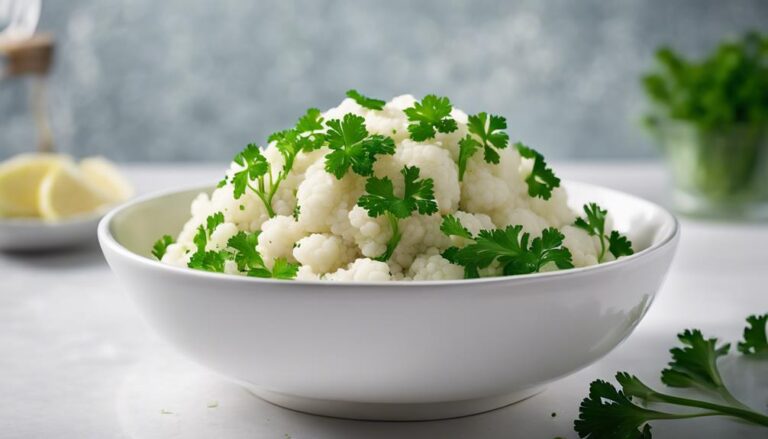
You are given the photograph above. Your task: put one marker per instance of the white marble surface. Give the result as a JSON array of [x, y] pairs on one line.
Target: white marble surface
[[76, 360]]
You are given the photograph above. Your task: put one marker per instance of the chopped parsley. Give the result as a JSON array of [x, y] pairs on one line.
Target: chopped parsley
[[380, 199], [365, 101], [430, 116]]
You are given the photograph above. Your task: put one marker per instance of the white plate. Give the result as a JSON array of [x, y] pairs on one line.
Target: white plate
[[30, 234]]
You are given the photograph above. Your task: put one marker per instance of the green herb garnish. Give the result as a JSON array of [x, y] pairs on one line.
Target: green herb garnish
[[484, 132], [509, 247], [430, 116], [594, 224], [352, 146], [542, 179], [380, 199], [365, 101], [161, 245], [305, 136]]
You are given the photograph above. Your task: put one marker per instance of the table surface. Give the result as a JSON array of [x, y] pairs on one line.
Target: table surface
[[77, 361]]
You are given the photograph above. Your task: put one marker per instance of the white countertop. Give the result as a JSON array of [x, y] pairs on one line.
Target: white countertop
[[77, 361]]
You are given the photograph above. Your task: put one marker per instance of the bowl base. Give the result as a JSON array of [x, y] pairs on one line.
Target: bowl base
[[391, 411]]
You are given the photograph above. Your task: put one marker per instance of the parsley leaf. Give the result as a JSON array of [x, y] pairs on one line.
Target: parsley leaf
[[431, 115], [695, 364], [282, 269], [594, 224], [161, 245], [380, 199], [306, 136], [489, 131], [451, 226], [364, 101], [311, 122], [484, 132], [619, 245], [246, 256], [511, 249], [255, 166], [608, 413], [352, 146], [542, 180], [214, 221], [467, 148], [201, 259], [755, 336], [209, 260]]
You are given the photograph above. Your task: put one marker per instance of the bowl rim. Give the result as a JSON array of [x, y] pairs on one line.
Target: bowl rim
[[107, 239]]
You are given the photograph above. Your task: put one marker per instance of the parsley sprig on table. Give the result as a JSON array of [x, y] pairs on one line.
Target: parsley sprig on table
[[353, 147], [430, 116], [594, 224], [510, 247], [755, 336], [365, 101], [609, 413], [380, 199], [485, 132], [305, 136]]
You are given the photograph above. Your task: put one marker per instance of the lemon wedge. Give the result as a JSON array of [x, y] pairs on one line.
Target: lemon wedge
[[65, 192], [103, 174], [20, 179]]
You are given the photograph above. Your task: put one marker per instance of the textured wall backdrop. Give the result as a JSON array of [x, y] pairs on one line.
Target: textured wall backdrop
[[140, 80]]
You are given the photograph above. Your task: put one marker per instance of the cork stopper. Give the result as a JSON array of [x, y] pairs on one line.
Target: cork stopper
[[31, 56]]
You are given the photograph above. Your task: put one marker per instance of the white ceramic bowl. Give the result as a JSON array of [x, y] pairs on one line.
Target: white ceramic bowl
[[30, 234], [397, 351]]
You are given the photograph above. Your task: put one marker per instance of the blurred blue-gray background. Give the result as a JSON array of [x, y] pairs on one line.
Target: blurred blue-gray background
[[147, 80]]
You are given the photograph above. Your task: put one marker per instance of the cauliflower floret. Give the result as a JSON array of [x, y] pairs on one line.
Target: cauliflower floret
[[220, 236], [432, 266], [584, 248], [324, 200], [278, 235], [482, 191], [306, 273], [474, 222], [362, 270], [347, 106], [176, 255], [419, 233], [512, 216], [435, 163], [323, 253], [370, 234]]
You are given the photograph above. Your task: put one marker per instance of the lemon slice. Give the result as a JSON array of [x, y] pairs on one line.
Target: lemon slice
[[104, 175], [65, 192], [20, 179]]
